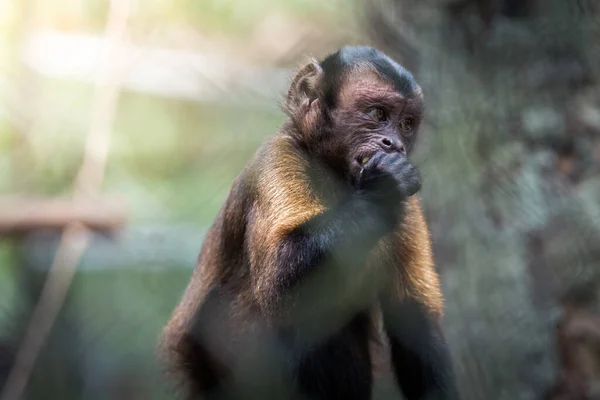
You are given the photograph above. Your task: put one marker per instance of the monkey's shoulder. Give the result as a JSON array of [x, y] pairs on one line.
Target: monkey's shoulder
[[279, 154], [283, 170]]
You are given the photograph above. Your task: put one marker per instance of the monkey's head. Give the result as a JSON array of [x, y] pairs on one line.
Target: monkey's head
[[352, 104]]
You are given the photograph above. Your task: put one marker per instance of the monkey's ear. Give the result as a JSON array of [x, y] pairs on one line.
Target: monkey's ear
[[303, 89]]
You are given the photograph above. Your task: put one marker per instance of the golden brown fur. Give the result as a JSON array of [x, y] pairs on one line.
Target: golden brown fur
[[285, 199], [284, 186]]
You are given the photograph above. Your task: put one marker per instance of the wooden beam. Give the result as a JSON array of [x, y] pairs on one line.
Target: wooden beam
[[19, 216]]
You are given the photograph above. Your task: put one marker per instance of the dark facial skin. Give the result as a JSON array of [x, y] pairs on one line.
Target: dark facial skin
[[373, 111], [380, 126]]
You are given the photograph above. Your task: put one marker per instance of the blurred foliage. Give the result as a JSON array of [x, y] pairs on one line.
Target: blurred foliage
[[166, 155], [173, 160], [509, 155], [212, 17]]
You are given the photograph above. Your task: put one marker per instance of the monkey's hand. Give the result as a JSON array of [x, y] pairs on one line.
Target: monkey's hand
[[390, 177]]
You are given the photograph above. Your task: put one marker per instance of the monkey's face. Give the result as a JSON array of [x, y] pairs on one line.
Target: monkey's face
[[353, 104], [371, 116]]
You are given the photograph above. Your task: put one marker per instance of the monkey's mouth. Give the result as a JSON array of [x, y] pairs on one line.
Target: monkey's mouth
[[364, 156], [362, 160]]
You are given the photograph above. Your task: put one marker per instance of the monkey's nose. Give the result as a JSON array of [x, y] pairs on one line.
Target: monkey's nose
[[389, 144]]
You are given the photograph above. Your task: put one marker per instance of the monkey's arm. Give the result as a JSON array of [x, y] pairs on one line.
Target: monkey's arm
[[412, 309], [419, 354], [307, 249]]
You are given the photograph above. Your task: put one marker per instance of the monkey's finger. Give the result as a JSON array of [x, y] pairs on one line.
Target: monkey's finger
[[411, 182]]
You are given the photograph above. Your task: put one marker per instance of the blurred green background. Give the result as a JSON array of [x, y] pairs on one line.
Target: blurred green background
[[173, 160], [509, 153]]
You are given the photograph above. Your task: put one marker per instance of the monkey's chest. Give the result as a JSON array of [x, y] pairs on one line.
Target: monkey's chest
[[364, 284], [379, 344]]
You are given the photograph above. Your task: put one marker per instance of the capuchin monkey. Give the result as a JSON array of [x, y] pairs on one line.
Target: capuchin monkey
[[317, 274]]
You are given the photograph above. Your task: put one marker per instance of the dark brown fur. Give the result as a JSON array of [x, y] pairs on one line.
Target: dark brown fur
[[297, 175]]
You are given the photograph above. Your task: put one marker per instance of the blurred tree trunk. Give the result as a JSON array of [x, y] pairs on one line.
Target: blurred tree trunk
[[511, 165]]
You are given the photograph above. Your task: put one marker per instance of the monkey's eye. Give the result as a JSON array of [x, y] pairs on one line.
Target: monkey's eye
[[406, 125], [377, 114]]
